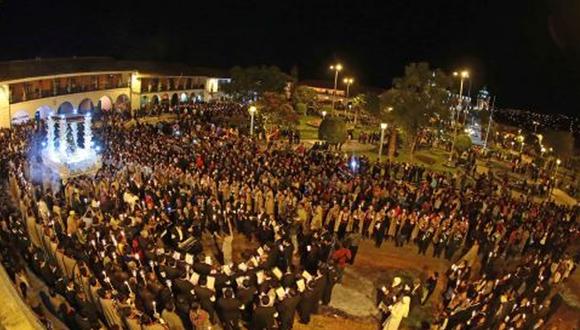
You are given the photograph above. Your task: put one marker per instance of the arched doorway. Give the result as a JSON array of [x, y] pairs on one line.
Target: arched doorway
[[86, 106], [122, 103], [20, 117], [174, 99], [105, 103], [165, 99], [144, 101], [43, 112], [183, 98], [66, 108], [154, 100]]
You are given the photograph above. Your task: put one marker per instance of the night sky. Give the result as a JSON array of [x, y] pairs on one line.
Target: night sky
[[506, 44]]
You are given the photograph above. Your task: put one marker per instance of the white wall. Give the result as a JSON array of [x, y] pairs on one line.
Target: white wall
[[4, 106], [30, 107]]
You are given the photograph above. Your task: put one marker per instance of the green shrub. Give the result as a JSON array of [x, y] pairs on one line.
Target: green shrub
[[463, 143], [332, 130], [301, 108]]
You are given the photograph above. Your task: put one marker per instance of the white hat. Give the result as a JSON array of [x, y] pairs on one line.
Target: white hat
[[396, 281]]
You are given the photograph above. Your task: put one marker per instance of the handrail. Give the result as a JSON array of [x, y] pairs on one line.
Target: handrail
[[14, 313]]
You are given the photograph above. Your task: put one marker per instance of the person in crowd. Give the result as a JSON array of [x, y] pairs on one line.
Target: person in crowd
[[164, 189]]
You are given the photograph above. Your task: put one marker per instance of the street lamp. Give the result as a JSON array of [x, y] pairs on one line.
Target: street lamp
[[336, 68], [463, 75], [348, 82], [252, 112], [383, 128], [535, 123], [558, 162]]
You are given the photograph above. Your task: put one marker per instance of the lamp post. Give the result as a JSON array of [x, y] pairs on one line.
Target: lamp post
[[535, 123], [336, 68], [463, 75], [489, 125], [558, 162], [252, 112], [383, 128], [348, 82]]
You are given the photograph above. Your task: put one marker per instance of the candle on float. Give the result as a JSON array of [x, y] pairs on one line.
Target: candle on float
[[138, 258], [154, 307]]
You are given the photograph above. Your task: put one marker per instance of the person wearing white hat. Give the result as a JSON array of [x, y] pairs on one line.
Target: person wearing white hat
[[399, 311]]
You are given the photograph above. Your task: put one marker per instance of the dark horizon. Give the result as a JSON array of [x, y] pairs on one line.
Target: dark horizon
[[510, 48]]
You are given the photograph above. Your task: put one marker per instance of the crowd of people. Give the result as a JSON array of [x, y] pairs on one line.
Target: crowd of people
[[148, 242]]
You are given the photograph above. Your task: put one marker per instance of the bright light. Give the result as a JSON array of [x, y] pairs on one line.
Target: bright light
[[348, 81], [252, 109], [558, 161], [323, 114], [44, 144], [464, 74], [543, 149], [384, 126], [98, 148], [389, 109], [337, 67], [353, 164]]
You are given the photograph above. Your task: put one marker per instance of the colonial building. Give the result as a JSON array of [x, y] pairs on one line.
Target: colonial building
[[34, 88], [324, 91]]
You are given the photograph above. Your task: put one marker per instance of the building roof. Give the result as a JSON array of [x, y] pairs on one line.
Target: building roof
[[22, 69], [317, 83], [355, 89]]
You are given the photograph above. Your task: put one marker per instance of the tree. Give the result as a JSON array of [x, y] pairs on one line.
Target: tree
[[301, 108], [276, 111], [303, 94], [414, 99], [252, 82], [561, 141], [463, 143], [332, 130], [372, 103]]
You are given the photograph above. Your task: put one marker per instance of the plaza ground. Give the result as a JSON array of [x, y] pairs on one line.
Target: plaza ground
[[352, 305]]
